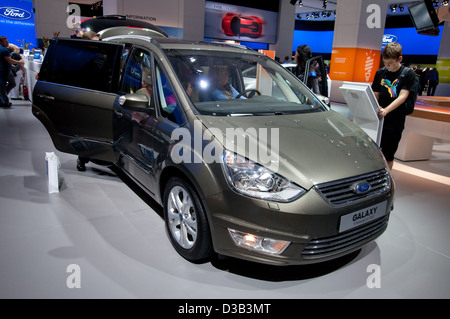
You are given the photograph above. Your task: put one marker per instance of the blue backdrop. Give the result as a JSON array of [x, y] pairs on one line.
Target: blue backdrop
[[412, 42], [17, 21]]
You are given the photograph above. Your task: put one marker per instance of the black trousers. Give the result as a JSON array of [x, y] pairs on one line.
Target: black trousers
[[431, 88], [10, 83]]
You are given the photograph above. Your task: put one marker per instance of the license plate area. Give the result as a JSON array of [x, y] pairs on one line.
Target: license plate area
[[362, 216]]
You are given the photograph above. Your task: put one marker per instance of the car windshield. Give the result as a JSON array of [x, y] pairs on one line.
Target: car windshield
[[223, 83]]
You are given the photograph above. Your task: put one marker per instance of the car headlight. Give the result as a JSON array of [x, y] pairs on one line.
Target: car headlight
[[251, 179]]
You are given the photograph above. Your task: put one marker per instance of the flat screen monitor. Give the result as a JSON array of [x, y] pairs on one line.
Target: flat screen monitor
[[364, 108], [424, 17]]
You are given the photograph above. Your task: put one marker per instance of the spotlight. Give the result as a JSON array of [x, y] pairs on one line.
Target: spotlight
[[293, 2], [300, 3]]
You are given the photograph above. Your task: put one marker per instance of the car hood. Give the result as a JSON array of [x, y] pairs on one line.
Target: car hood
[[308, 149]]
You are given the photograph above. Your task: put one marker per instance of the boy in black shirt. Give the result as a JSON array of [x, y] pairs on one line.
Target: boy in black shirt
[[392, 90]]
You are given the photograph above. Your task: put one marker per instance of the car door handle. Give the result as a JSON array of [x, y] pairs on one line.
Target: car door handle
[[118, 113], [47, 97]]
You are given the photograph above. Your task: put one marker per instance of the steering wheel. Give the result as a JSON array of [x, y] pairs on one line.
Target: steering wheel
[[249, 93]]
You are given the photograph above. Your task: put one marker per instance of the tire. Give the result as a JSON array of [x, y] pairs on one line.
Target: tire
[[186, 223]]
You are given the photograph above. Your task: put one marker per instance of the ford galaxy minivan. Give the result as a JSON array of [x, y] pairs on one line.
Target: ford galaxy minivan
[[245, 160]]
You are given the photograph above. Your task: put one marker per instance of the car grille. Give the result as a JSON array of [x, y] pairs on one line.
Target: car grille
[[340, 192], [321, 247]]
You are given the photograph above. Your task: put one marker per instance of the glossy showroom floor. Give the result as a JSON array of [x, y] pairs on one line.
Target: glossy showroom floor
[[115, 236]]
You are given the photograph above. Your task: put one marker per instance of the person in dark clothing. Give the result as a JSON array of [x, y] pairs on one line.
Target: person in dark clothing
[[18, 72], [420, 73], [392, 91], [6, 75], [433, 81], [302, 54]]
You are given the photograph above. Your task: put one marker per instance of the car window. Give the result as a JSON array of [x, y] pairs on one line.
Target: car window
[[169, 107], [137, 76], [229, 83], [83, 63]]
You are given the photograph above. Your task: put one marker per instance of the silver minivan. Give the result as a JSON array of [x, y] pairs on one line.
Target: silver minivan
[[245, 160]]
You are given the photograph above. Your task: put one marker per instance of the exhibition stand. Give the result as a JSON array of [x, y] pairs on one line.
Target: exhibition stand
[[429, 121], [364, 107], [31, 68]]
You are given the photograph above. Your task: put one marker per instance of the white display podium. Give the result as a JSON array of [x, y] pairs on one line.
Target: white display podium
[[364, 108], [31, 69]]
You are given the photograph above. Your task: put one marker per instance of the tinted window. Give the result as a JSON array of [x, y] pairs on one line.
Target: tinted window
[[229, 83], [169, 107], [137, 76], [83, 63]]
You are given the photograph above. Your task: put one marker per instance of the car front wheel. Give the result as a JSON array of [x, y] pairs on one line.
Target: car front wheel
[[186, 222]]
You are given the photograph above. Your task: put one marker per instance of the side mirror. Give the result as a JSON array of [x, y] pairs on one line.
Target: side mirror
[[324, 99], [135, 102]]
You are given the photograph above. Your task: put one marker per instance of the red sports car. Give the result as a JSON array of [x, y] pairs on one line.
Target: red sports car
[[237, 25]]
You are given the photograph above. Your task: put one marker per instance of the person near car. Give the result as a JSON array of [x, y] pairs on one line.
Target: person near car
[[91, 35], [223, 89], [421, 74], [18, 71], [146, 82], [391, 91], [6, 76], [303, 54], [433, 81]]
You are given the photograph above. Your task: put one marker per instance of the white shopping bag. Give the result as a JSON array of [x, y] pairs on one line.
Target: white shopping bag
[[53, 166]]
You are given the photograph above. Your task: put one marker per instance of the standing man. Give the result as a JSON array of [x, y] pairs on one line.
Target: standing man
[[5, 71], [392, 87], [433, 81]]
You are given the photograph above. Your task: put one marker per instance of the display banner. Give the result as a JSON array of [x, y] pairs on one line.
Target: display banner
[[231, 22], [354, 64], [17, 22], [443, 67]]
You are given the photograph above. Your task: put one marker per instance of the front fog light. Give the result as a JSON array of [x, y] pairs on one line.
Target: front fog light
[[258, 243]]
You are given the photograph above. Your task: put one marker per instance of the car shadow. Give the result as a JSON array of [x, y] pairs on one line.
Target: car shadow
[[138, 191], [281, 273], [255, 270]]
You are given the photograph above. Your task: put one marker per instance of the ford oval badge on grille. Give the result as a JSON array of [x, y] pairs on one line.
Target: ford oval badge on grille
[[361, 187]]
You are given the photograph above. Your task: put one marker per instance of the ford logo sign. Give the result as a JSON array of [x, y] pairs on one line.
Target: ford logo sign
[[389, 38], [361, 187], [14, 13]]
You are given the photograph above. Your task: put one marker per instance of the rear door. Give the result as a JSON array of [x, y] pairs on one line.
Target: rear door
[[75, 94]]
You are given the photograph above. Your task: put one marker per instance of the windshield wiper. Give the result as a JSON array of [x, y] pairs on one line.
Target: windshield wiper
[[240, 114]]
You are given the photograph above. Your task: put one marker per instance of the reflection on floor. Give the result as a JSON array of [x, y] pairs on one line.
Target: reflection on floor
[[103, 228]]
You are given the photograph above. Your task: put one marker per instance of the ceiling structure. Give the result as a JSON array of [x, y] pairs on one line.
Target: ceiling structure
[[326, 9]]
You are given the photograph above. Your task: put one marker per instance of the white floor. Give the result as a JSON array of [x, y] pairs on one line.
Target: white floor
[[115, 237]]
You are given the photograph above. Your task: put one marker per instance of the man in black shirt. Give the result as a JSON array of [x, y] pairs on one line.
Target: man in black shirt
[[392, 88], [5, 70]]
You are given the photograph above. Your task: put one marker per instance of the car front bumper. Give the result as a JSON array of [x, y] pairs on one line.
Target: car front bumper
[[311, 226]]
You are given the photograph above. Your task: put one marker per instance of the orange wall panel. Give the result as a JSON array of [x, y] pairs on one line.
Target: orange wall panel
[[354, 64]]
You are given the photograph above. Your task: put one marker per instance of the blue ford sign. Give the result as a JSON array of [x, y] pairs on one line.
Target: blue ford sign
[[14, 13], [361, 187], [389, 38]]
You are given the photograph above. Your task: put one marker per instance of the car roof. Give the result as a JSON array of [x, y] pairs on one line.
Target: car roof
[[174, 43], [98, 24]]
